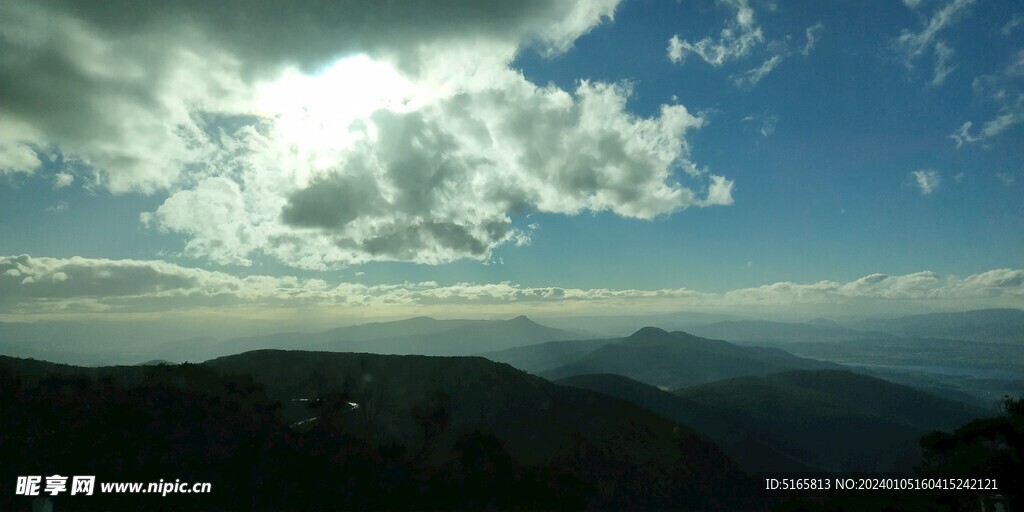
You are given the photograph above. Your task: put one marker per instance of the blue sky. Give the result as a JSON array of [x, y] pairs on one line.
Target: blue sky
[[550, 157]]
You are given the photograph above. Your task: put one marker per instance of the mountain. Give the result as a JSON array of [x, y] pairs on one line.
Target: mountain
[[546, 356], [956, 355], [838, 420], [467, 338], [793, 421], [677, 359], [372, 432], [419, 335], [623, 325], [763, 330], [983, 325], [752, 452]]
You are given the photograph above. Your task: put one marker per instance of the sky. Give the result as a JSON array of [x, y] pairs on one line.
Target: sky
[[462, 158]]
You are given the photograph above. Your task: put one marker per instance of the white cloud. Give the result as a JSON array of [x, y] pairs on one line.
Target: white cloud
[[124, 90], [927, 180], [1015, 21], [963, 134], [436, 184], [765, 123], [751, 77], [813, 33], [719, 192], [17, 158], [942, 70], [913, 44], [736, 40], [61, 206], [265, 144], [63, 179], [1010, 114], [37, 286]]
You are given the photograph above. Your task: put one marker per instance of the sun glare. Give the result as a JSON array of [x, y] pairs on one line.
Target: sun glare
[[331, 110]]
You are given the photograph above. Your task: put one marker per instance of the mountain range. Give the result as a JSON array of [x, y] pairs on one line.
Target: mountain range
[[376, 432], [804, 420], [666, 359]]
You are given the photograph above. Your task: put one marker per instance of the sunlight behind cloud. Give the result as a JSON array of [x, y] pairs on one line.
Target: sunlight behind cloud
[[322, 112]]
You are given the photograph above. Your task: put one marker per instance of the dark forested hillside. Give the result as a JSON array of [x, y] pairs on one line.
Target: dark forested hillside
[[793, 421], [407, 432], [677, 359], [837, 420]]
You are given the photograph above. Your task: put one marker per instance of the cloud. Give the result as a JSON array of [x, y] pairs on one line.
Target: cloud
[[439, 183], [750, 78], [912, 45], [927, 180], [61, 206], [736, 40], [767, 123], [1001, 89], [943, 54], [38, 286], [1015, 21], [17, 158], [265, 145], [813, 33], [740, 37], [63, 179], [719, 192], [123, 89], [1009, 114]]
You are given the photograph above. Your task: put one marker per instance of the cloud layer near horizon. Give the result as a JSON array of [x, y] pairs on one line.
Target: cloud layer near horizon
[[48, 286], [336, 137]]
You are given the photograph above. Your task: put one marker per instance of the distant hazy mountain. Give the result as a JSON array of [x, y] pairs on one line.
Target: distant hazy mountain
[[678, 359], [835, 419], [799, 421], [984, 359], [985, 325], [462, 337], [763, 330], [623, 325], [546, 356], [419, 335]]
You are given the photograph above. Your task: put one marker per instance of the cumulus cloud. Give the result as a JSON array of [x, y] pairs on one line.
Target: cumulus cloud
[[122, 87], [63, 179], [927, 180], [35, 285], [911, 45], [266, 145], [740, 37], [17, 158], [438, 183]]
